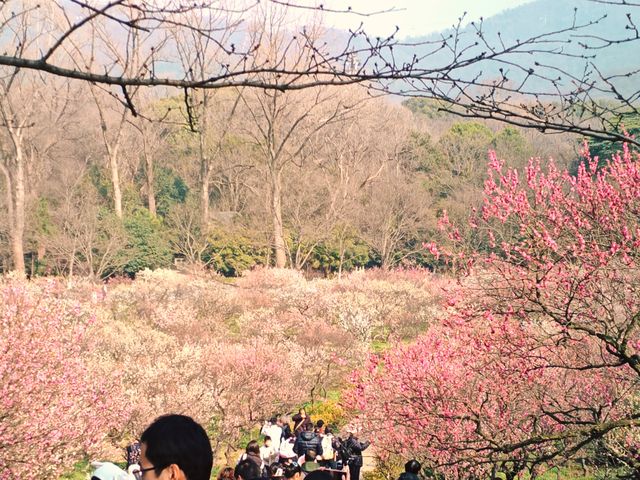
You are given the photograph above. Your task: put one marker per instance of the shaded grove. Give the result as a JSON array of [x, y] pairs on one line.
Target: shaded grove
[[324, 179]]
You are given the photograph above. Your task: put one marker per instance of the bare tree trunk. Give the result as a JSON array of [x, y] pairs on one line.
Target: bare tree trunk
[[276, 212], [9, 199], [115, 180], [342, 249], [205, 166], [204, 190], [112, 147], [18, 206], [151, 194], [229, 455], [204, 198], [72, 258], [204, 176], [13, 167]]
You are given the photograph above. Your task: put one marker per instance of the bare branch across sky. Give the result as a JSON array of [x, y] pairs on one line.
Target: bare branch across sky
[[550, 79]]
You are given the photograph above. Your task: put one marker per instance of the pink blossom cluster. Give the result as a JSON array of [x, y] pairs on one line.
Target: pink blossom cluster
[[53, 408], [539, 356], [85, 368]]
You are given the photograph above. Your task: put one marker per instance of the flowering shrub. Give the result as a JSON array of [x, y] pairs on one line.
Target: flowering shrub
[[468, 397], [539, 356], [160, 276], [52, 405], [174, 303], [228, 355], [419, 277], [383, 310], [269, 278]]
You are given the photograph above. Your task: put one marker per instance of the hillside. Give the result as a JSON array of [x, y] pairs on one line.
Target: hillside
[[544, 16]]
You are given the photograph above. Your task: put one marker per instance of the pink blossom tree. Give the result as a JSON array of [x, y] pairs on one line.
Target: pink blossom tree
[[540, 356], [252, 381], [53, 410]]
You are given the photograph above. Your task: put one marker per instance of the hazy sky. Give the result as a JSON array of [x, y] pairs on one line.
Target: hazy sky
[[414, 17]]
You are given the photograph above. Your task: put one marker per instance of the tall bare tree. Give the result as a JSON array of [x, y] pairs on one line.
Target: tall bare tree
[[32, 107], [285, 123], [152, 135], [207, 113], [114, 112]]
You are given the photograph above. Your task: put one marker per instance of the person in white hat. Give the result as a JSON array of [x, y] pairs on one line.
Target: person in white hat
[[108, 471]]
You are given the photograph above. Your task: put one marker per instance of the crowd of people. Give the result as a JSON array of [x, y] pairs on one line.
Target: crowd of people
[[312, 446], [175, 447]]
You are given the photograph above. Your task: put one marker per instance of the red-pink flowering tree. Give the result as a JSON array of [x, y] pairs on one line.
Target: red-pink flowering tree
[[52, 409], [540, 357]]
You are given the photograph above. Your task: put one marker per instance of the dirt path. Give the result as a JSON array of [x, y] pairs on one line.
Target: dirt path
[[368, 460]]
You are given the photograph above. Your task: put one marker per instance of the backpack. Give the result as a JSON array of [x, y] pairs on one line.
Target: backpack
[[327, 447]]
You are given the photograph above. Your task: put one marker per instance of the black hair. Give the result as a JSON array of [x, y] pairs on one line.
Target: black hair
[[267, 437], [226, 473], [273, 470], [319, 475], [310, 456], [291, 469], [319, 423], [328, 429], [247, 470], [180, 440], [308, 427], [253, 447], [412, 466]]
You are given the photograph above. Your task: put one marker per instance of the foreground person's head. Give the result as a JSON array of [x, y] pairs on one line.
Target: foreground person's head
[[175, 447], [292, 472], [247, 470], [412, 466]]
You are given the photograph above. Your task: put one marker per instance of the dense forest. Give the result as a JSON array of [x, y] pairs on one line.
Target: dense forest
[[251, 151], [324, 179]]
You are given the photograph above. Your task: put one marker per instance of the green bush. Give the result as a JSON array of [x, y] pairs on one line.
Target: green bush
[[99, 178], [170, 189], [147, 243], [605, 149], [231, 253], [356, 254]]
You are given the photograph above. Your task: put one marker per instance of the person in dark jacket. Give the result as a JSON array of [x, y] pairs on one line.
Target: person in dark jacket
[[292, 471], [252, 453], [308, 440], [133, 454], [300, 421], [411, 470], [355, 448], [247, 470]]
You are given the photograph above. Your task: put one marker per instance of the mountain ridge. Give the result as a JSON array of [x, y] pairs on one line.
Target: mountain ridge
[[537, 17]]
